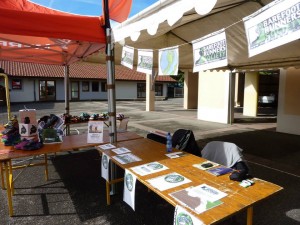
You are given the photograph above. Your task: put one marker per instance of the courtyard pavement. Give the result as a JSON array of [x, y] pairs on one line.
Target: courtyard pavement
[[75, 194]]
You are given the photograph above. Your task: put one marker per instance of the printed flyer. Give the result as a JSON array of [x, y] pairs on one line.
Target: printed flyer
[[95, 132]]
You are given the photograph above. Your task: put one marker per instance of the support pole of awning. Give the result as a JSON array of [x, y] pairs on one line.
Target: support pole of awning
[[111, 92], [111, 88], [67, 102], [110, 66]]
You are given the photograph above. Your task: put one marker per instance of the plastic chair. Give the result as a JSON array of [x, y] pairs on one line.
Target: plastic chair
[[123, 125]]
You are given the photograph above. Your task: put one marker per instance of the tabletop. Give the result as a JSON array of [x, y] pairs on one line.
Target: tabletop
[[237, 199], [72, 142]]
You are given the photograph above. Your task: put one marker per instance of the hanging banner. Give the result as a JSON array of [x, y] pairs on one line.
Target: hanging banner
[[127, 56], [129, 188], [168, 59], [210, 51], [182, 216], [104, 166], [145, 61], [275, 24]]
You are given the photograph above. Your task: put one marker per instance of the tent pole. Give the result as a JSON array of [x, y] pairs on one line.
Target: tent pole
[[67, 102], [111, 93]]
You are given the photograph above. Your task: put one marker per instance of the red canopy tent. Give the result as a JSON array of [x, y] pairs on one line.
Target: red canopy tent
[[36, 34], [33, 33]]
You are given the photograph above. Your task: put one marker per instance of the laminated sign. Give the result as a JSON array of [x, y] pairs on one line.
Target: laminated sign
[[210, 51], [275, 24]]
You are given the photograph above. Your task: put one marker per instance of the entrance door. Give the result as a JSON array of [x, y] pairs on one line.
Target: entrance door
[[74, 90], [47, 90]]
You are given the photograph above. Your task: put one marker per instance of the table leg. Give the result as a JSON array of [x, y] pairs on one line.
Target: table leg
[[11, 179], [9, 195], [107, 193], [46, 168], [2, 176], [250, 215]]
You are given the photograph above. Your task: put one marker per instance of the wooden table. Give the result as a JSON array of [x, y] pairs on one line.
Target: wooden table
[[238, 198], [70, 143]]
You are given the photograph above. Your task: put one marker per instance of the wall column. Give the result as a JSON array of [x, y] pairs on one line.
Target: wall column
[[190, 90], [214, 96], [288, 115], [251, 94], [150, 93]]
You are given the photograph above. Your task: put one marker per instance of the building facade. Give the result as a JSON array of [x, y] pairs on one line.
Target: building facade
[[87, 81]]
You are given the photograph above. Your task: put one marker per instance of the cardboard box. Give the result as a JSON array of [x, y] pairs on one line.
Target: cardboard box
[[27, 130], [27, 116]]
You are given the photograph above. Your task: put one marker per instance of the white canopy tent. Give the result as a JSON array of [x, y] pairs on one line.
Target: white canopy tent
[[187, 25]]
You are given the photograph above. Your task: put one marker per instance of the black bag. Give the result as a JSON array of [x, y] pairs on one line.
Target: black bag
[[185, 140], [241, 173], [157, 138]]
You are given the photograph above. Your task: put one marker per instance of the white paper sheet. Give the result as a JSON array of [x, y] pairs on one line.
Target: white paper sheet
[[105, 166], [181, 216], [148, 168], [121, 150], [126, 158], [168, 181], [107, 146], [129, 188]]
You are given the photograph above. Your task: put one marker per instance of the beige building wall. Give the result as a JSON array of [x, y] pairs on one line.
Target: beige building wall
[[288, 115], [213, 96], [251, 94], [190, 90]]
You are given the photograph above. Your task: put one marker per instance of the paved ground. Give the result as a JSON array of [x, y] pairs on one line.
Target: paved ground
[[75, 195]]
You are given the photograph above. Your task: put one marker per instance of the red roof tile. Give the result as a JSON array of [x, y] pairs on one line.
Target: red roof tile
[[81, 70]]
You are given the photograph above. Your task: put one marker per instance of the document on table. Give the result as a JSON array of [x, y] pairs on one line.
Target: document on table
[[175, 154], [168, 181], [149, 168], [107, 146], [126, 158], [121, 150], [199, 198]]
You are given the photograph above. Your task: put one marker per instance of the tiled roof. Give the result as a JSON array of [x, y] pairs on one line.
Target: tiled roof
[[81, 70]]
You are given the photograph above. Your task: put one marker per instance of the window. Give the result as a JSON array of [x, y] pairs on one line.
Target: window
[[141, 90], [16, 84], [95, 86], [103, 87], [85, 86]]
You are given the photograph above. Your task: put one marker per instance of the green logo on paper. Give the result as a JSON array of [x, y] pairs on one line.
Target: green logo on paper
[[155, 166], [174, 178], [129, 181], [105, 161], [183, 219]]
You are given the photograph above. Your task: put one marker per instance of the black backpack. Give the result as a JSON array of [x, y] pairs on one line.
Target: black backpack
[[185, 140]]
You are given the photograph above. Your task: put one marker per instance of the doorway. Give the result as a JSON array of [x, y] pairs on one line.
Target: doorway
[[74, 90], [47, 90]]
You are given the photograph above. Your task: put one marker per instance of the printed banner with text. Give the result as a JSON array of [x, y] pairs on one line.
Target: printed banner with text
[[210, 51], [145, 61], [275, 24], [127, 57]]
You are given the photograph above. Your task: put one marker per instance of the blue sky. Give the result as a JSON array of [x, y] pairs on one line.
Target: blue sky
[[89, 7]]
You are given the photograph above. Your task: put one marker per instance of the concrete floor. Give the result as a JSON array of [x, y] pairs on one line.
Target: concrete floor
[[75, 195]]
